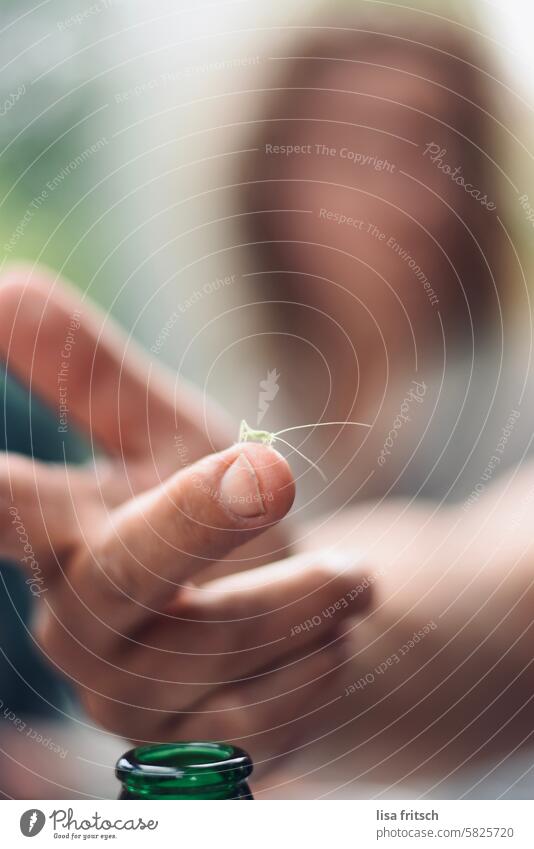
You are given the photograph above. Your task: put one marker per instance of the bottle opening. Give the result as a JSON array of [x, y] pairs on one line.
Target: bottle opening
[[185, 770]]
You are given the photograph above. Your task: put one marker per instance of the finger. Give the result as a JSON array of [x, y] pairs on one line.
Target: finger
[[262, 714], [295, 608], [226, 634], [89, 371], [159, 540], [276, 544], [42, 507], [269, 715]]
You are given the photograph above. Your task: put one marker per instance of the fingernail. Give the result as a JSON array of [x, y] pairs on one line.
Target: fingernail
[[240, 489]]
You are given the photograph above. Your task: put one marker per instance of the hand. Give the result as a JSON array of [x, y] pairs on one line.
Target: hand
[[440, 674], [118, 547], [142, 423]]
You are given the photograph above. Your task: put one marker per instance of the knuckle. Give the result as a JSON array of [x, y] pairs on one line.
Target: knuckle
[[98, 708], [50, 638], [232, 716], [319, 574], [110, 715], [197, 519], [132, 723]]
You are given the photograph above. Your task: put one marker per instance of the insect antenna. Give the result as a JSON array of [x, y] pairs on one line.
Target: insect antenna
[[296, 450], [319, 424]]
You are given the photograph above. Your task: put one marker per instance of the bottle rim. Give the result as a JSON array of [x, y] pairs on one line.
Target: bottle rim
[[190, 765]]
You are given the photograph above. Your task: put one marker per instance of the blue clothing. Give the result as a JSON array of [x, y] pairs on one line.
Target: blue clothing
[[28, 685]]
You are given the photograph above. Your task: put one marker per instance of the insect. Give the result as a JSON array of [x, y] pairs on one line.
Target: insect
[[266, 437]]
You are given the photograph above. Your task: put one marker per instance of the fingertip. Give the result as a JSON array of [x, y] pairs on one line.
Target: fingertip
[[274, 475]]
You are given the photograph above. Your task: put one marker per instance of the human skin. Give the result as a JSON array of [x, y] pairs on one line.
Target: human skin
[[463, 692], [120, 547], [155, 657], [148, 666]]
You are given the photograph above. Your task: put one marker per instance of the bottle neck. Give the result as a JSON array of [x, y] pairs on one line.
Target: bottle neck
[[241, 791]]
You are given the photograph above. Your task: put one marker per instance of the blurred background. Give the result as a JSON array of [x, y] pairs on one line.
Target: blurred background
[[125, 128], [122, 129]]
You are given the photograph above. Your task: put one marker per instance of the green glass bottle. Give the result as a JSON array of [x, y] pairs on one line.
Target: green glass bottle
[[185, 771]]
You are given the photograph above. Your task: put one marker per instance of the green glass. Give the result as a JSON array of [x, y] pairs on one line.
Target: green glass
[[185, 771]]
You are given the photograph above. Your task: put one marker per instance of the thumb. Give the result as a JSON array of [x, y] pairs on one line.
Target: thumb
[[159, 540]]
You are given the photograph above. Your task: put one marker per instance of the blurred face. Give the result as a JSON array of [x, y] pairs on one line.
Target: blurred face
[[358, 166]]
